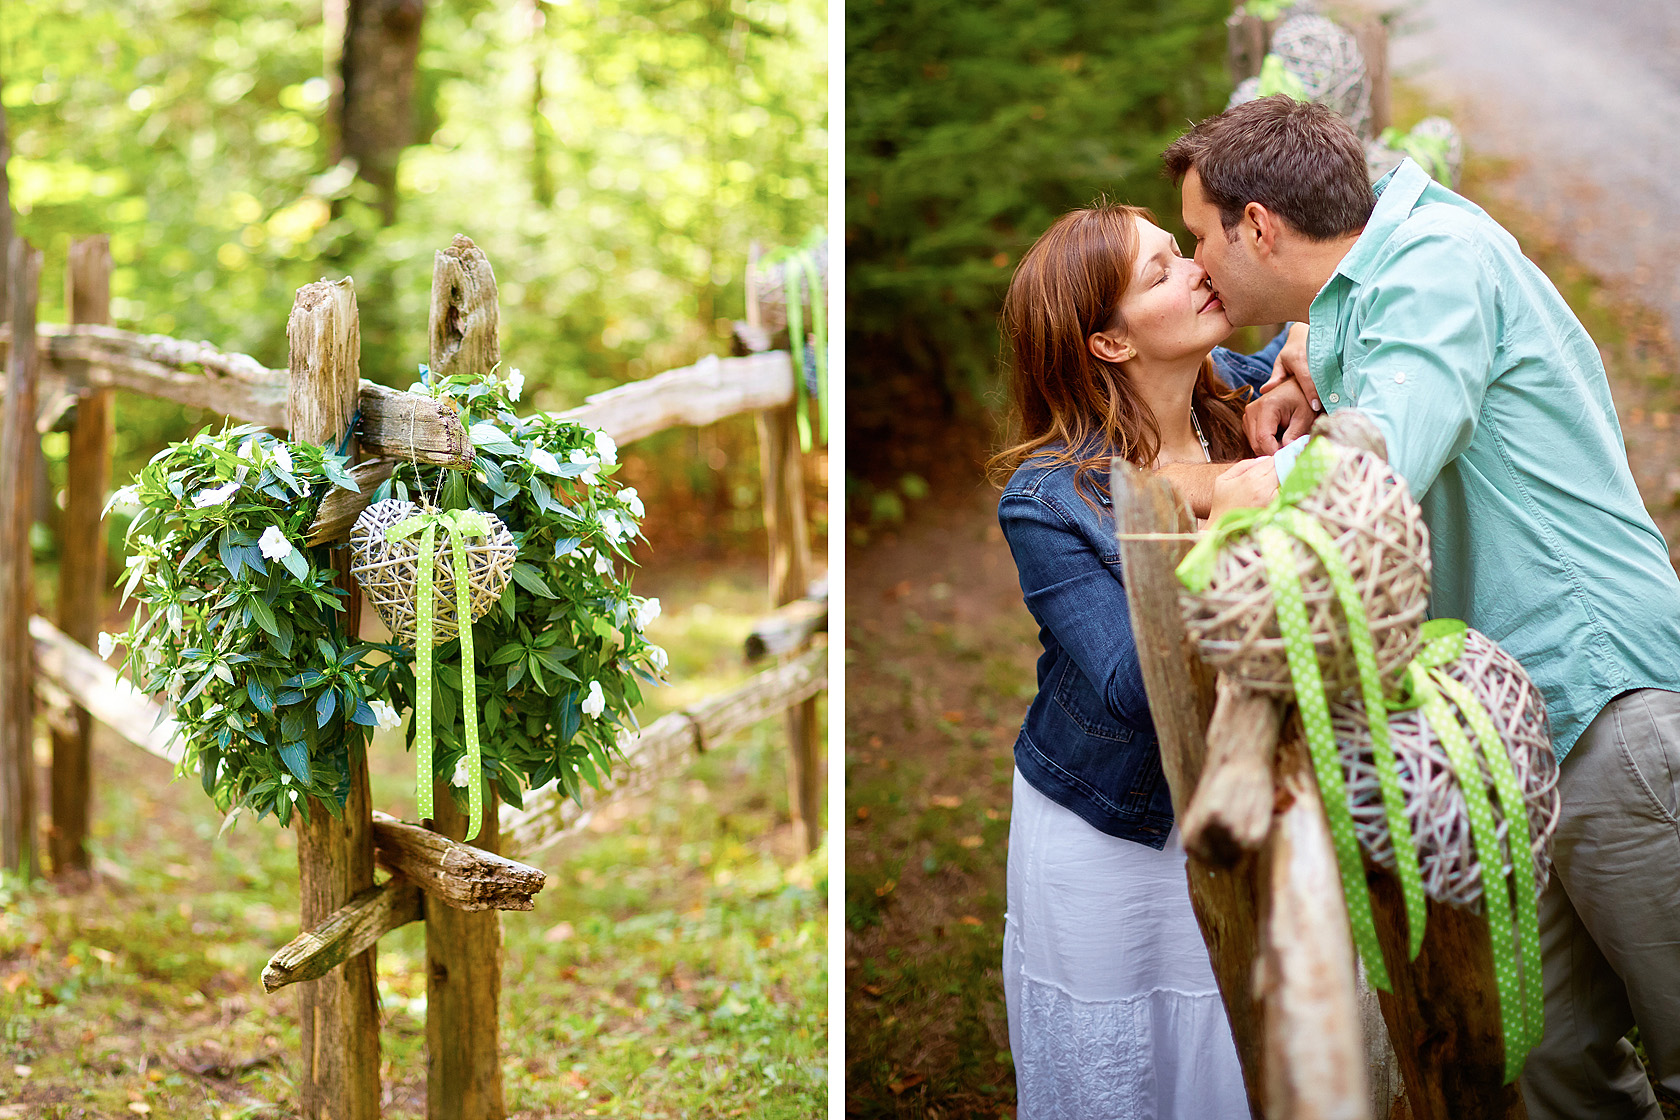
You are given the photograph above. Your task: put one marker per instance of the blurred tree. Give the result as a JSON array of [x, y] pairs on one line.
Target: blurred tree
[[970, 125], [376, 83], [663, 136]]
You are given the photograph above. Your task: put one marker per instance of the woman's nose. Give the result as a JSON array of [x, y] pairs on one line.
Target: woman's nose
[[1198, 274]]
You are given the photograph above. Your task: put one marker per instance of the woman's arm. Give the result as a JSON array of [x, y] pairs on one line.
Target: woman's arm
[[1078, 597]]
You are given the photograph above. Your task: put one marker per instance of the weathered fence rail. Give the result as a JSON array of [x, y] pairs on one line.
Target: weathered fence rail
[[455, 888]]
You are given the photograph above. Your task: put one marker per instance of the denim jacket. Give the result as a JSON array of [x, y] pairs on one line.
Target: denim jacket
[[1088, 742]]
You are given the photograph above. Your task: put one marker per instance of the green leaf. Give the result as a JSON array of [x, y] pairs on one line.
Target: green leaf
[[296, 563], [296, 757], [260, 696], [263, 614], [232, 558], [333, 468], [325, 707], [527, 576], [488, 437], [510, 652]]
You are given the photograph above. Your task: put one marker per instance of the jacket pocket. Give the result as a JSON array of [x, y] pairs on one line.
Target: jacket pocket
[[1076, 696]]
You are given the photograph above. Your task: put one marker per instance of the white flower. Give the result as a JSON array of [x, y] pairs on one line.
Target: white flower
[[614, 525], [126, 495], [596, 702], [605, 446], [248, 449], [658, 658], [459, 778], [515, 385], [215, 496], [632, 501], [292, 793], [646, 611], [603, 564], [384, 715], [273, 543], [107, 644], [285, 779], [283, 458], [588, 477]]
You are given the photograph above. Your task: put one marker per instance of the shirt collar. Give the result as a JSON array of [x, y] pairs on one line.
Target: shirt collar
[[1397, 193]]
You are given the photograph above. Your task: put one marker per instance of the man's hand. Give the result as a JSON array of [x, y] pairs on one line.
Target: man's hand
[[1285, 408], [1245, 485], [1292, 362]]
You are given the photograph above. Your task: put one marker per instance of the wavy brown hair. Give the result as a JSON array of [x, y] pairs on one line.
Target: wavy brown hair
[[1066, 404]]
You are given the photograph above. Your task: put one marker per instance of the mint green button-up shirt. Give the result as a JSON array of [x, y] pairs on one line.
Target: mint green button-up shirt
[[1498, 416]]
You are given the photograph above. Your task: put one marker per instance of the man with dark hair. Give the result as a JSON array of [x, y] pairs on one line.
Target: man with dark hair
[[1425, 315]]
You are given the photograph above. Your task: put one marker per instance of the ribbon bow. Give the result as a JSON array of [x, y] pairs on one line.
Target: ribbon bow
[[1521, 1007], [458, 524], [1271, 527], [1429, 150], [800, 263]]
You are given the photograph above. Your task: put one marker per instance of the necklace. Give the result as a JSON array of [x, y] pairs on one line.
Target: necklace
[[1197, 424]]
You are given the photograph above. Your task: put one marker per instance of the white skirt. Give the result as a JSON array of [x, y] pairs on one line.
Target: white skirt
[[1113, 1010]]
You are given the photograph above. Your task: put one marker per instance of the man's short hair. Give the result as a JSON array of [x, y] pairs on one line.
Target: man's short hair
[[1298, 159]]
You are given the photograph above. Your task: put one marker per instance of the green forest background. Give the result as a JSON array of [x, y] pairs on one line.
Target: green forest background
[[970, 125], [614, 158]]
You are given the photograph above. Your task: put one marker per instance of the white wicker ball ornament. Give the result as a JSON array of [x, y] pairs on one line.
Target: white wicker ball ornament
[[1435, 804], [1379, 531], [1326, 60], [389, 570]]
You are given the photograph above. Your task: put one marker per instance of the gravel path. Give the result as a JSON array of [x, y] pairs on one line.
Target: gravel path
[[1586, 103]]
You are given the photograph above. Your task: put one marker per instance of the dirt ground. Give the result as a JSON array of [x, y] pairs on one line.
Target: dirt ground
[[940, 655]]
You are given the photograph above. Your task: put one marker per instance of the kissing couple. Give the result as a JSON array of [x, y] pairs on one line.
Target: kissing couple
[[1410, 303]]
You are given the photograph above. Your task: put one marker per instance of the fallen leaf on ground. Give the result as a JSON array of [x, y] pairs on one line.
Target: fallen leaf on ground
[[970, 841], [863, 812], [953, 716], [904, 1083], [873, 989], [885, 888], [946, 801], [970, 920]]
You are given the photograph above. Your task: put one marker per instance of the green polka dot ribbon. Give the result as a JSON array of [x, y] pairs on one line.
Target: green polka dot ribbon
[[800, 262], [1272, 527], [1428, 151], [458, 524], [1521, 1002]]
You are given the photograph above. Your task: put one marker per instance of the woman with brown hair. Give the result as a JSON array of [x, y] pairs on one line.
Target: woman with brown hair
[[1113, 1009]]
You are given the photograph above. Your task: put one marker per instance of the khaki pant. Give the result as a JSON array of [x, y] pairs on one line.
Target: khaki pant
[[1610, 919]]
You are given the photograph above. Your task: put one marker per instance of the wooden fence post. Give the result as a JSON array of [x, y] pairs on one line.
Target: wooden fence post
[[463, 950], [339, 1013], [781, 470], [81, 564], [17, 597]]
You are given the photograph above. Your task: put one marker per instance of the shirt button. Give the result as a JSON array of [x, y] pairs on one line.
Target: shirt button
[[1400, 378], [1334, 398]]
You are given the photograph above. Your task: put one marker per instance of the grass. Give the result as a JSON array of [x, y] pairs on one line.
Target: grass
[[674, 966]]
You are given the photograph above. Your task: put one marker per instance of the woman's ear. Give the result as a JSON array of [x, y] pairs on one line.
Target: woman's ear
[[1108, 346]]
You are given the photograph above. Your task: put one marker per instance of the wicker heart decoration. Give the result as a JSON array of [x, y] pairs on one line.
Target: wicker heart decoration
[[1435, 802], [1379, 530], [389, 571]]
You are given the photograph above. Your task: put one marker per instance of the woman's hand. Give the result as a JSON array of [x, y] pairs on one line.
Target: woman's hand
[[1245, 485], [1292, 362]]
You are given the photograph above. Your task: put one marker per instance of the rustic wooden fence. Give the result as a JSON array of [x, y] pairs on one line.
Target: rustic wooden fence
[[1314, 1042], [456, 888]]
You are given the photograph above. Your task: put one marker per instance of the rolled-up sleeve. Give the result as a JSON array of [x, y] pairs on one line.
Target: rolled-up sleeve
[[1079, 598], [1423, 352]]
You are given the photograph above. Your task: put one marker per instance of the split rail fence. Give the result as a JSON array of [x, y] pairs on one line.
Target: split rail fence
[[63, 377]]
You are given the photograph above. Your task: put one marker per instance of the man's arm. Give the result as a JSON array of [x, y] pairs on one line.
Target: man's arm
[[1423, 358]]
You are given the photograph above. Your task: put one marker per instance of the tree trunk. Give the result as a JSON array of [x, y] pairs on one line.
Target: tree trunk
[[376, 119]]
